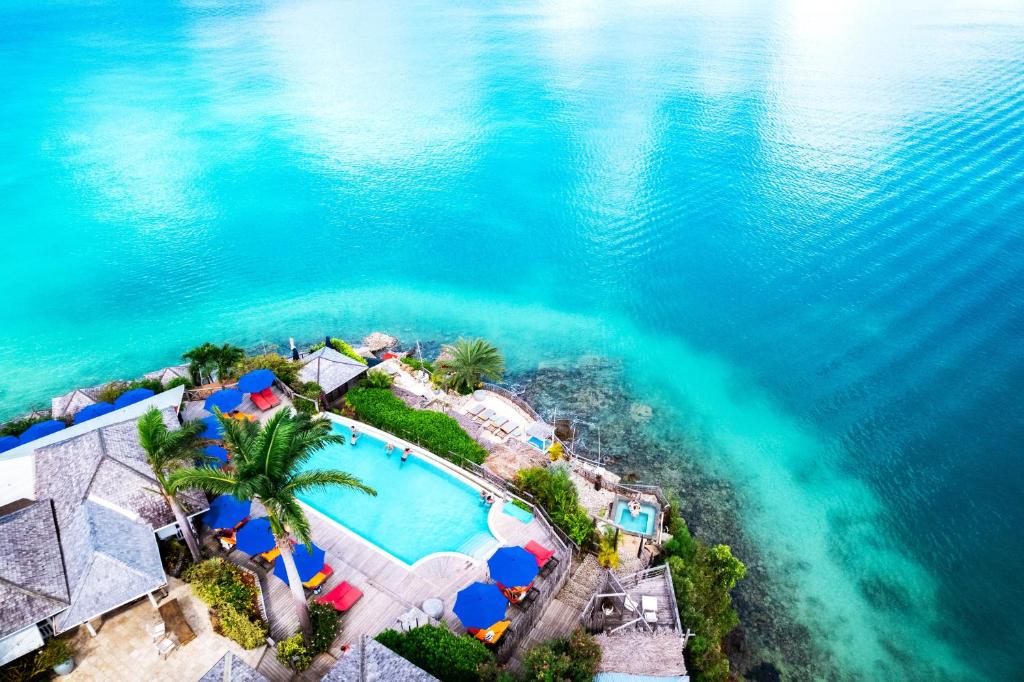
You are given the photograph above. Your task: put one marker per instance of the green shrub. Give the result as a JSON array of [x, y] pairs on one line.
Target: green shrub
[[554, 490], [569, 659], [341, 347], [54, 653], [416, 363], [703, 578], [240, 628], [179, 381], [377, 378], [292, 653], [152, 384], [112, 391], [283, 368], [314, 392], [443, 654], [326, 623], [437, 432]]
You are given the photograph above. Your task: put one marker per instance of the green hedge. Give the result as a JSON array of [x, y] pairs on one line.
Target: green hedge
[[554, 490], [341, 347], [233, 595], [436, 432], [569, 659], [443, 654]]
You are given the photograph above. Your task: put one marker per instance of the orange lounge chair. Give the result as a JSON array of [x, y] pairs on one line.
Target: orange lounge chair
[[317, 581], [342, 597], [541, 553], [268, 395]]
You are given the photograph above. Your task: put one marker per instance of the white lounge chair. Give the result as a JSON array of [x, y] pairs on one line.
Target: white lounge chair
[[475, 409], [649, 605], [165, 646]]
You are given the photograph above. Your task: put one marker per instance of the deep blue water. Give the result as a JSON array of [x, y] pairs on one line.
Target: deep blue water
[[799, 224]]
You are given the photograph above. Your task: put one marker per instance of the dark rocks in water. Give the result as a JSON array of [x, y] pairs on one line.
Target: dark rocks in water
[[769, 643]]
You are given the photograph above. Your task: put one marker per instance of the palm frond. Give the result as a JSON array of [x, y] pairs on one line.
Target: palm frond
[[318, 479], [204, 478]]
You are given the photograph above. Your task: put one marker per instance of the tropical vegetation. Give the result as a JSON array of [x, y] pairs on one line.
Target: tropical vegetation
[[435, 431], [167, 451], [233, 597], [341, 347], [283, 368], [269, 467], [312, 391], [554, 490], [16, 427], [440, 652], [298, 651], [37, 665], [465, 363], [565, 659], [207, 360], [703, 578], [608, 548], [377, 378], [416, 363]]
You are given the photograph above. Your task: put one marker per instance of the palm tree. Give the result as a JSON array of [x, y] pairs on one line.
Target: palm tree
[[201, 361], [225, 358], [168, 451], [268, 466], [470, 361]]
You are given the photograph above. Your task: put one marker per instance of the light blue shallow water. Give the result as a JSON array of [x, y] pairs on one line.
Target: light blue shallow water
[[798, 224], [419, 509], [642, 523]]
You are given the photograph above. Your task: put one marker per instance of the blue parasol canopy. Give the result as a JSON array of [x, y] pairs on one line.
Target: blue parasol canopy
[[214, 429], [224, 400], [256, 380], [512, 567], [217, 452], [133, 396], [226, 511], [480, 605], [8, 442], [41, 429], [92, 411], [255, 536], [308, 563]]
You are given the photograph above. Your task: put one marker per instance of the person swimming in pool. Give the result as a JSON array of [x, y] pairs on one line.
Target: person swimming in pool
[[406, 453], [355, 435], [389, 449]]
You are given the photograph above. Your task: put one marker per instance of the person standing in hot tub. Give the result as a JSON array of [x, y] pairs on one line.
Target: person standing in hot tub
[[355, 435]]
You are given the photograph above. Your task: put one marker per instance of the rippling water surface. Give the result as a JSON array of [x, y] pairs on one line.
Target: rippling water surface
[[799, 223]]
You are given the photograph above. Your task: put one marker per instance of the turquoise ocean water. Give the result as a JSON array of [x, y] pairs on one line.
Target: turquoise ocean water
[[800, 225]]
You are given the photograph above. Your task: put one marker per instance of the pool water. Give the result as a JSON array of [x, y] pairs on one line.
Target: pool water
[[538, 443], [642, 524], [419, 508]]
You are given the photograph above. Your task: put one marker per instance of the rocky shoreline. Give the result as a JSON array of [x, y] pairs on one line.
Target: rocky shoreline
[[769, 644]]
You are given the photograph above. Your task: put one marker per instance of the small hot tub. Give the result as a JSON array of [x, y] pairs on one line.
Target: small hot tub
[[641, 524]]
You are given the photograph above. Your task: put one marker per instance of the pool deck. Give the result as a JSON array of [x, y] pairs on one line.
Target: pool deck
[[389, 588]]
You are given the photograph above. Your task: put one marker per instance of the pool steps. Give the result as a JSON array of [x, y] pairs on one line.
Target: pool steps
[[481, 546]]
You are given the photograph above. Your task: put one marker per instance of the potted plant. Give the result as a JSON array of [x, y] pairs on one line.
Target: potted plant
[[58, 655]]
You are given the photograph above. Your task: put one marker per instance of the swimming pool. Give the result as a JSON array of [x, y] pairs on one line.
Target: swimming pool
[[642, 524], [419, 509]]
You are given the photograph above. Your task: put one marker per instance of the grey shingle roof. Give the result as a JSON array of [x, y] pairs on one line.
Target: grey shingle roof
[[167, 373], [107, 464], [230, 668], [368, 660], [72, 402], [329, 368], [110, 560], [33, 586]]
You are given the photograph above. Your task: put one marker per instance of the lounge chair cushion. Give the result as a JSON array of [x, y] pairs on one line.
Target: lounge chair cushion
[[259, 401], [541, 553], [271, 398], [342, 597]]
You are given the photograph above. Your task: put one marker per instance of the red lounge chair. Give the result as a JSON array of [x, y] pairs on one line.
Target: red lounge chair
[[541, 553], [341, 597], [259, 401], [268, 395]]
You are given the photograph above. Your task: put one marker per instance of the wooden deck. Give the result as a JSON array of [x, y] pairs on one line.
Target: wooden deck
[[389, 587]]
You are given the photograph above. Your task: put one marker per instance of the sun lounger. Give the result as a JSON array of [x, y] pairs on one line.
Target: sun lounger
[[486, 415], [475, 409], [259, 401], [546, 559], [498, 422], [269, 395], [342, 597], [649, 605], [508, 427], [317, 581]]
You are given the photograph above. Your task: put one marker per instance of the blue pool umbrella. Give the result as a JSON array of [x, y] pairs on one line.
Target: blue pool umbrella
[[480, 605], [226, 512], [8, 442], [255, 536], [256, 380], [92, 411], [512, 567], [224, 400], [132, 396], [41, 429], [214, 429], [216, 452], [308, 563]]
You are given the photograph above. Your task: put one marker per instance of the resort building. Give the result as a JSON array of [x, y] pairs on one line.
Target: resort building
[[367, 659], [336, 373], [168, 374], [230, 668], [70, 403]]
